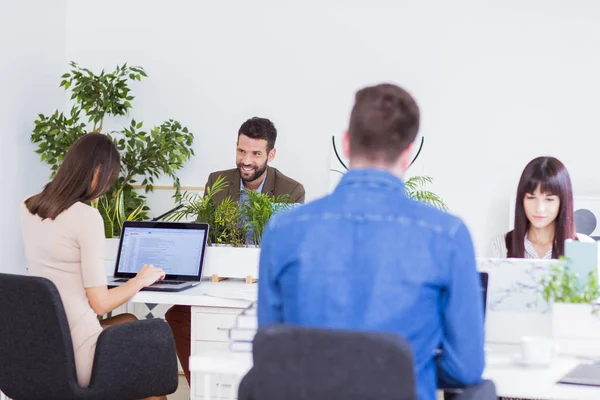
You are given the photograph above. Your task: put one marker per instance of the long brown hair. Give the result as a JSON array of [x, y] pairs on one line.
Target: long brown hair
[[73, 181], [552, 177]]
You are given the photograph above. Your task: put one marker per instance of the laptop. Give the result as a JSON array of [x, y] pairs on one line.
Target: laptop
[[515, 307], [176, 247], [587, 374]]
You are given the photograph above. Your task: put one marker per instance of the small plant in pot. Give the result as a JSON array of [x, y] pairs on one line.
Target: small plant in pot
[[203, 208], [575, 309], [235, 229], [227, 227], [258, 209], [563, 285], [231, 222]]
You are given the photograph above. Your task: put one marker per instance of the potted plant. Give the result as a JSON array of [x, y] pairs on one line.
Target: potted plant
[[232, 227], [145, 155], [113, 212], [575, 309], [258, 210]]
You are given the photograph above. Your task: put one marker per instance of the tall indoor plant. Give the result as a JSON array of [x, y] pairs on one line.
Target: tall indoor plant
[[145, 154]]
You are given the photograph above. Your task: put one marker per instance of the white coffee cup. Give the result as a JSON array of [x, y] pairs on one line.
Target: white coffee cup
[[537, 350]]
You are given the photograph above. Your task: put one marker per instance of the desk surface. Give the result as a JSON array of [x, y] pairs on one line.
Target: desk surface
[[514, 380], [235, 294], [511, 378]]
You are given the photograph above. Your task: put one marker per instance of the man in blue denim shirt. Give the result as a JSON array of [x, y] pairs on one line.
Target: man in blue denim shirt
[[367, 257]]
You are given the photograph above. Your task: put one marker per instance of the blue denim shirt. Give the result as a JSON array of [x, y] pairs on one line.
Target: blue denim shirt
[[367, 257]]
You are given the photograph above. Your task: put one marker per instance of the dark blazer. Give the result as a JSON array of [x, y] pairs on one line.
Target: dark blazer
[[277, 184]]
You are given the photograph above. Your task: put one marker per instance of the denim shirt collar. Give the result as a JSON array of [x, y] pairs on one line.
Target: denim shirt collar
[[371, 177]]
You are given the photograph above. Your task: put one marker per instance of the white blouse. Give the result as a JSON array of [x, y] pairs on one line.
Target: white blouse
[[497, 247]]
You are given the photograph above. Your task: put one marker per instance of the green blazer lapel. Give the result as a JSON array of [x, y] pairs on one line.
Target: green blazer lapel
[[269, 186]]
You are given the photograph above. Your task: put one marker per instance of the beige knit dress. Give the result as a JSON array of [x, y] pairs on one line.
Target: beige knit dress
[[69, 251]]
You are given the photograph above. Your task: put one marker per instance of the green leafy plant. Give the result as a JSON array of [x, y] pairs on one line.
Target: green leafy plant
[[145, 155], [259, 208], [229, 221], [563, 285], [228, 228], [112, 208], [414, 188], [201, 208]]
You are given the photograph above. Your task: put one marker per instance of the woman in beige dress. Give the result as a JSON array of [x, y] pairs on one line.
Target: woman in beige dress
[[64, 242]]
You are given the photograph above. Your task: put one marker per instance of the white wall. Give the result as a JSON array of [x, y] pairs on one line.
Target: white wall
[[499, 82], [32, 44]]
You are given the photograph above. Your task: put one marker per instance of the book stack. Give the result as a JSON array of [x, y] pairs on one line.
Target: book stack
[[241, 336]]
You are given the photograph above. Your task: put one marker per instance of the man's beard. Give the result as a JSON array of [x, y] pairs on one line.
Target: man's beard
[[258, 171]]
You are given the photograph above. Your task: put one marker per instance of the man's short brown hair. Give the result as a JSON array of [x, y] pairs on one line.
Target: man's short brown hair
[[383, 123]]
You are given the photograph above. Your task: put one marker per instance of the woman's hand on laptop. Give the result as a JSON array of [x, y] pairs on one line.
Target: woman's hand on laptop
[[103, 300], [149, 274]]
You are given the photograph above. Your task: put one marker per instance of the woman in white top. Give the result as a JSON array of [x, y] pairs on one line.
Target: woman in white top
[[544, 216]]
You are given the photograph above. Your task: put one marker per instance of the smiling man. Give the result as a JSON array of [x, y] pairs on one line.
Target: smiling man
[[255, 150]]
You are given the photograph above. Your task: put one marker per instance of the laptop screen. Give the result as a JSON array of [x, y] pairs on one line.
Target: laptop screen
[[177, 250], [484, 276]]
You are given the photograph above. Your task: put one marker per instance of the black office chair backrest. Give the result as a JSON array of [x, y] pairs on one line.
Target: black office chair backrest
[[296, 363], [35, 343]]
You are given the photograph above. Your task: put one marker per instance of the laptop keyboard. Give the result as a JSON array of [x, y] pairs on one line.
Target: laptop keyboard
[[157, 283]]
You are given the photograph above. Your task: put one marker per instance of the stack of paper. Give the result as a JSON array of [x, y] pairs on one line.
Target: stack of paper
[[242, 335]]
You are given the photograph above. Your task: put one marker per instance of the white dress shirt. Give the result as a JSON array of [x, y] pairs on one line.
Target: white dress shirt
[[497, 247]]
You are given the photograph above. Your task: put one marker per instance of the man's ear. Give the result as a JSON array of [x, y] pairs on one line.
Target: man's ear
[[346, 145], [271, 155], [406, 156]]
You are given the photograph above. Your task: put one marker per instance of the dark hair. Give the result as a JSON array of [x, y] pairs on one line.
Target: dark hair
[[260, 128], [383, 123], [73, 181], [552, 177]]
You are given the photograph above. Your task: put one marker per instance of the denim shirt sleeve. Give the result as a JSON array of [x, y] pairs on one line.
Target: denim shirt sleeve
[[462, 360], [269, 298]]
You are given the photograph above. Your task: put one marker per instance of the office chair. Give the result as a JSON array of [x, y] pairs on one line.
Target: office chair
[[296, 363], [132, 361]]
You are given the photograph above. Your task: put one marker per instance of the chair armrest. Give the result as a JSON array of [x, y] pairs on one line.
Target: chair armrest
[[245, 389], [485, 390], [135, 360]]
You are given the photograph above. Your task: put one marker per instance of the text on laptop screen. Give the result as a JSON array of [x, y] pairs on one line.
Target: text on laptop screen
[[176, 251]]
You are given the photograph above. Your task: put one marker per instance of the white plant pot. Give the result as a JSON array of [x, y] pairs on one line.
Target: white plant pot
[[111, 250], [231, 262], [576, 329]]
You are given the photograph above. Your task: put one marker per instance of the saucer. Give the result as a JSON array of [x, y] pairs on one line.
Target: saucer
[[518, 358]]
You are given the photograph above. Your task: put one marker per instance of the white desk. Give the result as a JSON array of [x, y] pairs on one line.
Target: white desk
[[215, 307], [515, 380], [511, 379], [234, 294]]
